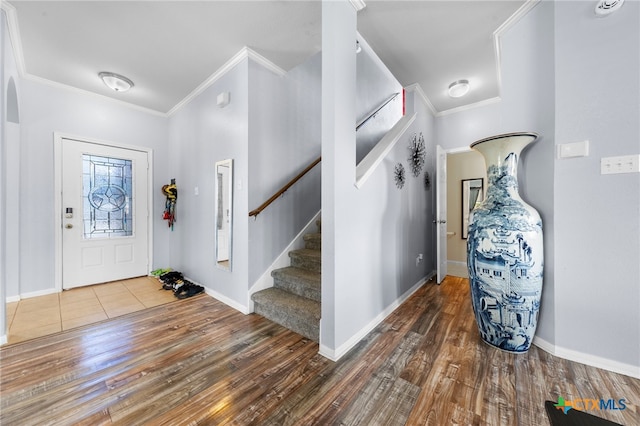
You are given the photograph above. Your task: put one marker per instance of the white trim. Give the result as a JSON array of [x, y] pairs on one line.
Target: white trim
[[14, 35], [418, 89], [38, 293], [57, 179], [244, 53], [335, 355], [370, 162], [469, 106], [84, 92], [498, 33], [3, 340], [588, 359], [517, 15], [256, 57], [458, 150], [358, 5], [11, 299], [222, 298], [282, 261]]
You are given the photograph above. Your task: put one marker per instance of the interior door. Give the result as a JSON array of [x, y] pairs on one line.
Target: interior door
[[441, 213], [104, 213]]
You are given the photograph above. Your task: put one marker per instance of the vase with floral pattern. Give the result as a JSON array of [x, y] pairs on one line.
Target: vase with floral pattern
[[504, 250]]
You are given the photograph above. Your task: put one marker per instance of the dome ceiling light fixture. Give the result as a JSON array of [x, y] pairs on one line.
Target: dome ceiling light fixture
[[459, 88], [115, 81], [607, 7]]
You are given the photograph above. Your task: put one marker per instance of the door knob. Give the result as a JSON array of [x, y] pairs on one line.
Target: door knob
[[68, 226]]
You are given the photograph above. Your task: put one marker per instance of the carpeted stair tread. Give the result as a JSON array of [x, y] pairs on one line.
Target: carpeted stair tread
[[294, 312], [313, 241], [301, 282], [306, 259]]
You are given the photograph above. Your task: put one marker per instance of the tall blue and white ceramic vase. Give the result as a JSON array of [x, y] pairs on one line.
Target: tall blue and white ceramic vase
[[504, 250]]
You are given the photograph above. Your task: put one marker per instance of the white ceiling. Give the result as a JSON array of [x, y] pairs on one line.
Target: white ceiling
[[169, 48]]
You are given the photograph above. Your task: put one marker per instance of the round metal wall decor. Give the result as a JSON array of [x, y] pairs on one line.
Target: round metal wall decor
[[399, 176], [427, 181], [418, 154]]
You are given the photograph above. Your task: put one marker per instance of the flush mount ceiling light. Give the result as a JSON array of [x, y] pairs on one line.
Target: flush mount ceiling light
[[606, 7], [459, 88], [116, 82]]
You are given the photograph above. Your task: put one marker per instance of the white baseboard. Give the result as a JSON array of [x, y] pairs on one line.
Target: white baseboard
[[282, 261], [220, 297], [335, 355], [587, 359], [3, 340], [11, 299], [19, 297]]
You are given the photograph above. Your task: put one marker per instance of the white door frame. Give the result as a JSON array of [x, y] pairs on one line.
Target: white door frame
[[443, 235], [441, 214], [57, 213]]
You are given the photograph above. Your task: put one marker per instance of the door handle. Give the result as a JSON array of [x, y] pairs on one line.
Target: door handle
[[439, 221]]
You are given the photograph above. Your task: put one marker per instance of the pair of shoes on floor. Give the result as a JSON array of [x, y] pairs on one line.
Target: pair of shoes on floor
[[170, 279], [187, 289]]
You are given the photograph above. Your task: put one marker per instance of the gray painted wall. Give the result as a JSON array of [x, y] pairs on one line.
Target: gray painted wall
[[372, 235], [284, 137], [557, 68], [200, 134], [597, 237], [11, 171], [527, 105], [48, 109], [374, 85]]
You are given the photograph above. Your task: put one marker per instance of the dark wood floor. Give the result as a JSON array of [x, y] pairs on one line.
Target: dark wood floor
[[197, 361]]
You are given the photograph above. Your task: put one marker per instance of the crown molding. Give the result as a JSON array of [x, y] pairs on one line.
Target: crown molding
[[467, 107], [14, 36], [244, 53], [499, 32], [358, 5], [416, 88], [55, 84], [497, 35]]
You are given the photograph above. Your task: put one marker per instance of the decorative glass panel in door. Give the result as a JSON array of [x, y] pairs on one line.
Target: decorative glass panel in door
[[105, 213], [106, 193]]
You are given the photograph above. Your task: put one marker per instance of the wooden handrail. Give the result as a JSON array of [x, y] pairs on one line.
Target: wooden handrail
[[282, 190]]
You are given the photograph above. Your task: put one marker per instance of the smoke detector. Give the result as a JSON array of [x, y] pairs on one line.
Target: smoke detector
[[607, 7]]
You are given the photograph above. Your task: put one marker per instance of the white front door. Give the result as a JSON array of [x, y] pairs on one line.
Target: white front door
[[104, 213], [441, 213]]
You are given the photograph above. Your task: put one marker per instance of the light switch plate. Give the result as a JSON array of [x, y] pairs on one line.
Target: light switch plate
[[622, 164], [574, 149]]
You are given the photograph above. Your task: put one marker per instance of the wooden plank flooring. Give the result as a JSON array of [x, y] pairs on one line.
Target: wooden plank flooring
[[197, 361]]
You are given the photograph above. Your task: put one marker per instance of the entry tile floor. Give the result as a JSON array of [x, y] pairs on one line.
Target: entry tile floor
[[39, 316]]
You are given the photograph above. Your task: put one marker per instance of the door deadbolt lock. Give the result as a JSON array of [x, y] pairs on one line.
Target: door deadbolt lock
[[68, 226]]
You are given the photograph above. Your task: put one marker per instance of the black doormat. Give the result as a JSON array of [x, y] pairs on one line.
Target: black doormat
[[557, 417]]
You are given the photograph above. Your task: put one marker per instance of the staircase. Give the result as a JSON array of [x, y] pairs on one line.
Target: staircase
[[294, 299]]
